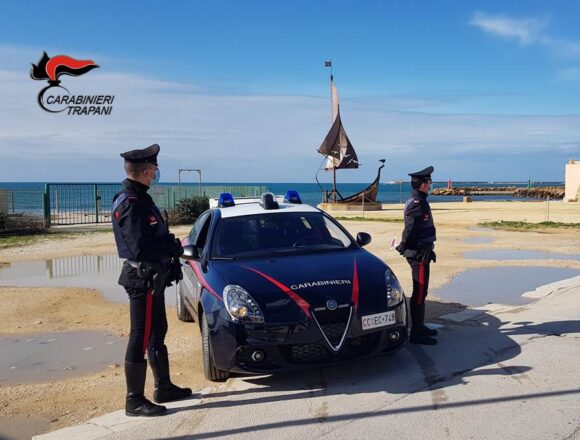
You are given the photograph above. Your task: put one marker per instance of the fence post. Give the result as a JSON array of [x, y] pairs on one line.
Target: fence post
[[46, 205], [96, 191]]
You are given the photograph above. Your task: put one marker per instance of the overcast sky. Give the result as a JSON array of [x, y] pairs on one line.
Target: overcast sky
[[481, 90]]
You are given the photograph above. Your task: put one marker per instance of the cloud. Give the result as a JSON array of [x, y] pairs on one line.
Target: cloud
[[526, 31], [252, 137]]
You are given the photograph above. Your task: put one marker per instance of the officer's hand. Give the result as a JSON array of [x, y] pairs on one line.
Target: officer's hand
[[178, 248], [433, 257], [400, 249]]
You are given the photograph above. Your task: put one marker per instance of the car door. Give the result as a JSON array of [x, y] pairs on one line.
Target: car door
[[197, 238]]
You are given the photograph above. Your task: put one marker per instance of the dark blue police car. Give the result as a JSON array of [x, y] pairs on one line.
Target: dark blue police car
[[275, 284]]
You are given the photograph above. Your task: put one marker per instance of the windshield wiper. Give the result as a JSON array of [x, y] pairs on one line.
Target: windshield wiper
[[225, 258]]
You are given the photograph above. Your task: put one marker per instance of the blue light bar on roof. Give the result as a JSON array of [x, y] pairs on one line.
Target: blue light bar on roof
[[292, 196], [226, 200]]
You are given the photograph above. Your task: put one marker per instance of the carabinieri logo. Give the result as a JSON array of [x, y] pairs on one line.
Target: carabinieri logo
[[56, 99]]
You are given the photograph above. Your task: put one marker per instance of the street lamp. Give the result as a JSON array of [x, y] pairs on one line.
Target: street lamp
[[179, 178]]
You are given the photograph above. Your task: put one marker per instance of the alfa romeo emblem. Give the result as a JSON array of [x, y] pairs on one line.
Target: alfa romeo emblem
[[331, 304]]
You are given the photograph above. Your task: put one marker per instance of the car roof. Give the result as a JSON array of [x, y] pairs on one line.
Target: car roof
[[251, 208]]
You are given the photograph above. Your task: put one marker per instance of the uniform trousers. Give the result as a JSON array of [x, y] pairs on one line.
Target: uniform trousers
[[420, 270], [148, 323]]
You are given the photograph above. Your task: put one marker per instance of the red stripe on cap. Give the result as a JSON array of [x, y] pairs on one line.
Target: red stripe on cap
[[355, 286], [203, 281], [301, 302], [148, 318]]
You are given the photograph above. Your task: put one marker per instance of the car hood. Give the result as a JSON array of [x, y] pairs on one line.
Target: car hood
[[288, 288]]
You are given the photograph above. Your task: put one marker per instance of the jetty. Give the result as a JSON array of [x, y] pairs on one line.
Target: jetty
[[544, 192]]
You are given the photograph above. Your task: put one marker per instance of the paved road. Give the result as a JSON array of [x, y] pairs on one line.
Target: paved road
[[503, 373]]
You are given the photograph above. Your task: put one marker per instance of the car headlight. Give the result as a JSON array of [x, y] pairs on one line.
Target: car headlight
[[395, 292], [241, 306]]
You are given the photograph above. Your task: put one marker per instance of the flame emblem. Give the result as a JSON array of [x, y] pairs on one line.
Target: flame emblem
[[51, 69]]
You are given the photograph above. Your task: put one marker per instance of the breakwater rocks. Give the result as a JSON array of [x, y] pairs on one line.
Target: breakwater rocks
[[553, 192]]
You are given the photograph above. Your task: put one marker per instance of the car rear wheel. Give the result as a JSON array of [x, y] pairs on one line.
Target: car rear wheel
[[182, 312], [209, 369]]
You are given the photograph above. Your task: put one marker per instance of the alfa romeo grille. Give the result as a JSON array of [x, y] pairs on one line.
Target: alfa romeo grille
[[333, 324]]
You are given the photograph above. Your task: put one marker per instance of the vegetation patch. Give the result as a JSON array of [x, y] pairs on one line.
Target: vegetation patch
[[188, 210], [371, 219], [525, 226]]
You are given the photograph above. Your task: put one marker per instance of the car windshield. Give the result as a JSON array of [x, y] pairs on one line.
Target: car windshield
[[280, 233]]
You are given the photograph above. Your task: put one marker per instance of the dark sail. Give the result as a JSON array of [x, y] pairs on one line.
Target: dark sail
[[337, 147]]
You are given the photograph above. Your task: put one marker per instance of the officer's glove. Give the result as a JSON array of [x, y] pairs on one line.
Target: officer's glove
[[400, 249], [433, 257], [178, 248], [176, 273]]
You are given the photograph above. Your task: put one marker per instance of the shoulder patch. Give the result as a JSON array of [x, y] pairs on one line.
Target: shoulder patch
[[152, 220]]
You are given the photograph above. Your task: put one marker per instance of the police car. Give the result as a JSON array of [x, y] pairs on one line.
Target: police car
[[275, 284]]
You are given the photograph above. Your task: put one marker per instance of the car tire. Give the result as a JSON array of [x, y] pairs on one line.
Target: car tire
[[182, 312], [209, 369]]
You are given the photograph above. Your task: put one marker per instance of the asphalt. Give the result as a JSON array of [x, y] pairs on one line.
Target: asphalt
[[498, 372]]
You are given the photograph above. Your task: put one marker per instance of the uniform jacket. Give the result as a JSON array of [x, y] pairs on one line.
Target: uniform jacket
[[419, 226]]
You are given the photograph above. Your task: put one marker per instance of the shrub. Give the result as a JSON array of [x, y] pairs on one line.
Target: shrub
[[188, 210], [3, 220]]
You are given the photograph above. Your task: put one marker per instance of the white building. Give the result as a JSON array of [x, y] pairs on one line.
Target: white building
[[572, 191]]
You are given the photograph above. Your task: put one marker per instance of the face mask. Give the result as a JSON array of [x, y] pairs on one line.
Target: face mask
[[155, 180]]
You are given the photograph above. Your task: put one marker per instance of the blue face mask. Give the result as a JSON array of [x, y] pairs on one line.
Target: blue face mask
[[155, 180]]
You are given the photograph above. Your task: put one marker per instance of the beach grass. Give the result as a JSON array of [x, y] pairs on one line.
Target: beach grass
[[371, 219], [12, 241], [525, 226]]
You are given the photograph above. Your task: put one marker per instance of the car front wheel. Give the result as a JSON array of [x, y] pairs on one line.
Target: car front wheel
[[209, 369]]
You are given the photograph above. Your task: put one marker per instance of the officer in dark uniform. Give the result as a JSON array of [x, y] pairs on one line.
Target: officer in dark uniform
[[152, 263], [417, 246]]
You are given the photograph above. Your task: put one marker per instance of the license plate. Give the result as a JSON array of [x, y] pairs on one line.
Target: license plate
[[378, 320]]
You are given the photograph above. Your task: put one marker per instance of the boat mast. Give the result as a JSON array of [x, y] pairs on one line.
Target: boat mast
[[329, 64]]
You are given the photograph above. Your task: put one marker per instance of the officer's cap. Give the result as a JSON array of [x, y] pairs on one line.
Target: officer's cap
[[145, 155], [422, 175]]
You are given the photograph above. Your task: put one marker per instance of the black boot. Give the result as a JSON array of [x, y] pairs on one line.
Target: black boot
[[418, 333], [165, 391], [429, 331], [136, 404]]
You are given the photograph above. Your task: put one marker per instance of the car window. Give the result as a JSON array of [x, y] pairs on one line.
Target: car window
[[197, 228], [277, 233]]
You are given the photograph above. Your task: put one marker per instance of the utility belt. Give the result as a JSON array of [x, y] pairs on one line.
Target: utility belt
[[423, 253], [148, 269]]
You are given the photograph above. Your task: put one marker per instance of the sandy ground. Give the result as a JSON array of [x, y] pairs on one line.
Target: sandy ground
[[51, 405]]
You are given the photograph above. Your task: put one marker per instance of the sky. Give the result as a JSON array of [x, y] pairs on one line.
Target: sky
[[481, 90]]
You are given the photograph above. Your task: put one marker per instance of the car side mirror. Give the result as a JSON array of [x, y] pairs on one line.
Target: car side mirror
[[190, 252], [362, 239]]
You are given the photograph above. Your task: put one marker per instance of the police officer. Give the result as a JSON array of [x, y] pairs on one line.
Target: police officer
[[152, 263], [416, 246]]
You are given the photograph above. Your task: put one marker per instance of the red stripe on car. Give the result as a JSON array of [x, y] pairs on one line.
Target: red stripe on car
[[301, 302], [355, 286], [203, 281]]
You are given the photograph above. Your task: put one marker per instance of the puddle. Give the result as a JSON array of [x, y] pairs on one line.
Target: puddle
[[51, 356], [503, 285], [21, 428], [518, 254], [478, 240], [481, 229], [90, 271]]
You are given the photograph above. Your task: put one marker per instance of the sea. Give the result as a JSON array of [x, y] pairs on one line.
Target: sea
[[311, 193]]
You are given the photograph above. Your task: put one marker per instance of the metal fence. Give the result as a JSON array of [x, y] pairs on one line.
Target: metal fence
[[22, 209], [88, 203]]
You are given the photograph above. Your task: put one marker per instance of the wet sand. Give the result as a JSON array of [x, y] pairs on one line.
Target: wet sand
[[49, 405]]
